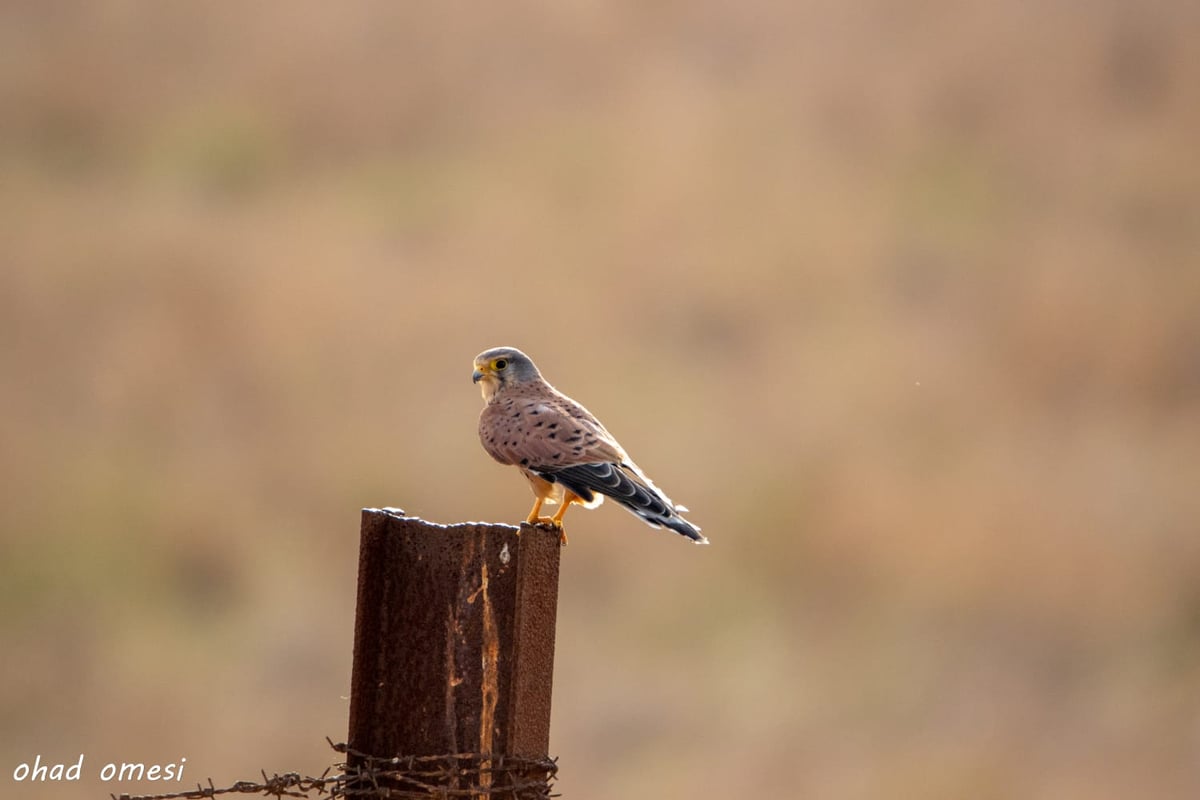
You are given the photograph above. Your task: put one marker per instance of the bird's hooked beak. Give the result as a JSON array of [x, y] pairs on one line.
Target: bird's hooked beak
[[482, 371]]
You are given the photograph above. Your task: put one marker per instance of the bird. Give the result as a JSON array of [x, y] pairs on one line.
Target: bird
[[565, 453]]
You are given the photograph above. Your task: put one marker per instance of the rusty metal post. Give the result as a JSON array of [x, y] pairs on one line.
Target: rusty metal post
[[453, 638]]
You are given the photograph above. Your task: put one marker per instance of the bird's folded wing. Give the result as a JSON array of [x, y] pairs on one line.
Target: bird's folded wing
[[548, 435]]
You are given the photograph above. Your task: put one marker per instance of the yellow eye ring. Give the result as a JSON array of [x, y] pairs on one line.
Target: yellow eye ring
[[499, 364]]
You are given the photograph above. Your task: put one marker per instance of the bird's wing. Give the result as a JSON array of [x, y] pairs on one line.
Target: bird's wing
[[546, 430]]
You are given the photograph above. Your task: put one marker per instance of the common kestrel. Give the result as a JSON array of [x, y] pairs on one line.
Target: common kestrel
[[565, 453]]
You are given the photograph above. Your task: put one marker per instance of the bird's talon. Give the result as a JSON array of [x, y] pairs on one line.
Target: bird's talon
[[548, 524]]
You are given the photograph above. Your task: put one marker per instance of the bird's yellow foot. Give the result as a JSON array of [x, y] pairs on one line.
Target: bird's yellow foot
[[557, 519], [533, 517]]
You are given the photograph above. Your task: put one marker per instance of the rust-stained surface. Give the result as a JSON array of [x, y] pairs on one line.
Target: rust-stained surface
[[489, 688], [454, 638]]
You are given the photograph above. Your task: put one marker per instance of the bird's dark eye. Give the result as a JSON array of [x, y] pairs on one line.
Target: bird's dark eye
[[501, 363]]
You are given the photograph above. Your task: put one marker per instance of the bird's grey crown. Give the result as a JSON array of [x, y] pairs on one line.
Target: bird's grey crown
[[520, 366]]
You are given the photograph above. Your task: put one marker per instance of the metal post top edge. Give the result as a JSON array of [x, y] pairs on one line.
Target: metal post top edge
[[398, 513]]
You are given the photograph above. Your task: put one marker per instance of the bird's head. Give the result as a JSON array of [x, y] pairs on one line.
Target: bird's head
[[500, 367]]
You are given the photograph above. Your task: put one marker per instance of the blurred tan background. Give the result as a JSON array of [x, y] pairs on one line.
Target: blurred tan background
[[903, 299]]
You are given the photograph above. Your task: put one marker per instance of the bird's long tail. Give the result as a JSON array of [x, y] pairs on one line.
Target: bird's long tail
[[629, 486]]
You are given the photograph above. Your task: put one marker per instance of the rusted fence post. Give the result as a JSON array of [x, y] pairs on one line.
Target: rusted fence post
[[453, 657]]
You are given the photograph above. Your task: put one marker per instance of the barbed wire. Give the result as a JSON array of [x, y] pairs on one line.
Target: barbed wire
[[445, 776]]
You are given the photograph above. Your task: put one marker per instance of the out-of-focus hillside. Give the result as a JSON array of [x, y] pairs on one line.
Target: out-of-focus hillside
[[902, 299]]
